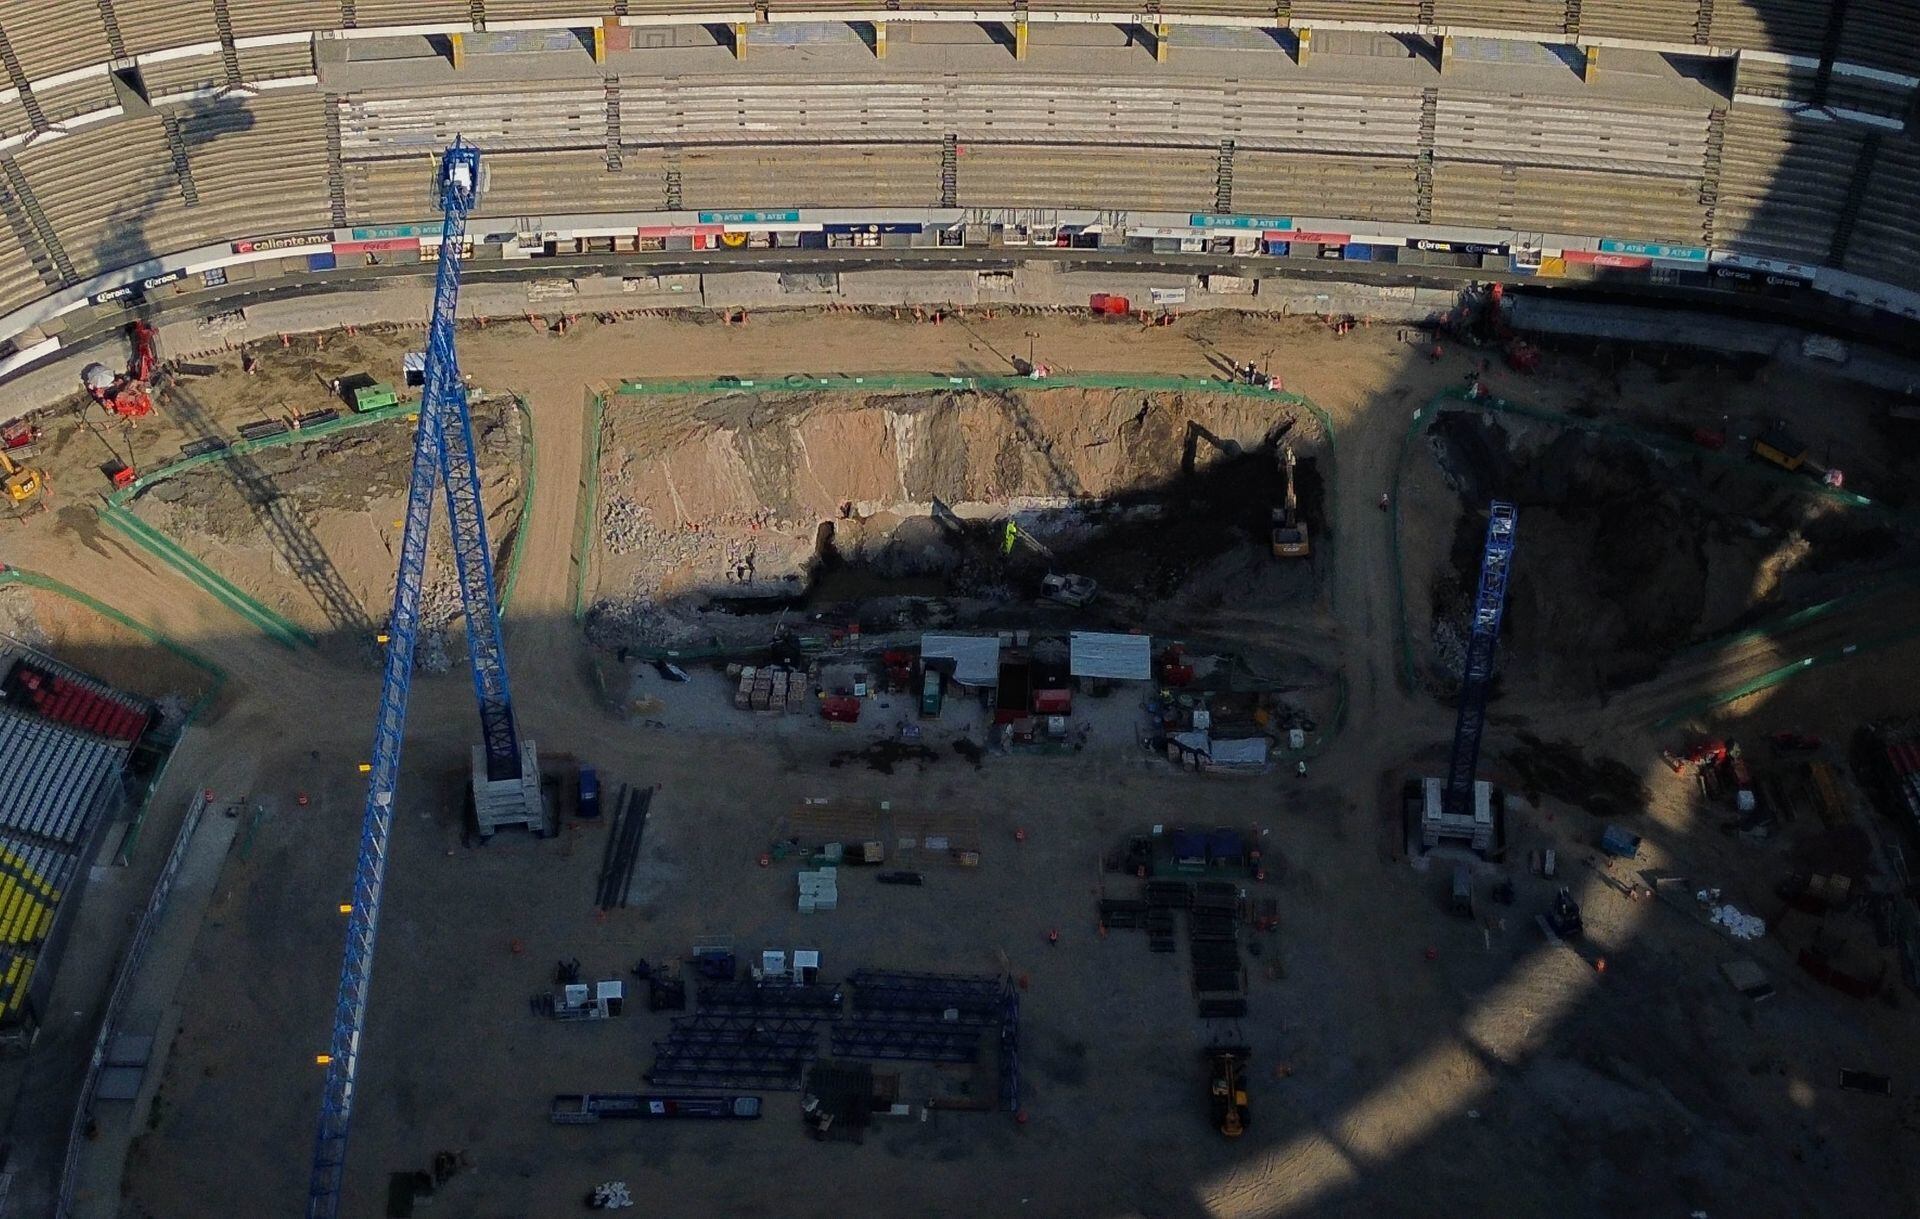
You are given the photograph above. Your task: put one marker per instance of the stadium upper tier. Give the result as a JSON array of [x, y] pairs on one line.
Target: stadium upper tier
[[134, 131]]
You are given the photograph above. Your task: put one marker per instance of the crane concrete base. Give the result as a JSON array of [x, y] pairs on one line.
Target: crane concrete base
[[499, 803], [1475, 828]]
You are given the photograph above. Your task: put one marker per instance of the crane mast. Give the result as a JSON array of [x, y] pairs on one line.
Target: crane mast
[[443, 455]]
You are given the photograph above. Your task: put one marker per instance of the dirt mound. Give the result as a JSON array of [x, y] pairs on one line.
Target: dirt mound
[[790, 497]]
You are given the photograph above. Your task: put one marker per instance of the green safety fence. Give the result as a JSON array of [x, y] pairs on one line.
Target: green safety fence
[[216, 675], [241, 448], [1798, 484], [115, 512], [276, 627], [586, 507], [1795, 619], [529, 451], [1786, 672]]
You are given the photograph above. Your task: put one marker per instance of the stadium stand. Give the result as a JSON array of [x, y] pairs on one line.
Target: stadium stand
[[1791, 27], [1030, 176], [276, 62], [51, 779], [257, 168], [257, 18], [811, 176], [1567, 201], [1316, 184], [1531, 16], [172, 76], [1886, 234], [55, 36], [1783, 181], [1882, 34], [1394, 12], [104, 229], [74, 98], [214, 164], [145, 28], [499, 119], [58, 787], [74, 700], [1653, 20], [368, 13], [1531, 130]]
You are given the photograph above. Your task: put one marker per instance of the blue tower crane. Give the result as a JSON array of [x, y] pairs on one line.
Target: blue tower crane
[[1453, 807], [442, 455]]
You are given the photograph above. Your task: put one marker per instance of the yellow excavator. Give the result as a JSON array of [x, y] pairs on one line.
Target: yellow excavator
[[1227, 1089], [1290, 540], [25, 485]]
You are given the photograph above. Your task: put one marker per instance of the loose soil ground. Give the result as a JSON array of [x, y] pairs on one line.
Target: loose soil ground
[[1425, 1063]]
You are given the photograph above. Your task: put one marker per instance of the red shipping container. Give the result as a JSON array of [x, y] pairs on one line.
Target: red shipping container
[[1053, 702]]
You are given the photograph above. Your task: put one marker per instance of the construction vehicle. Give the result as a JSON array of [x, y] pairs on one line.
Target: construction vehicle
[[127, 395], [1072, 590], [1227, 1089], [1290, 540], [1779, 447], [1563, 921], [24, 484]]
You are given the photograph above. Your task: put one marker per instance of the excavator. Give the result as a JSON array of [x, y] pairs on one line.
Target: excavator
[[1227, 1089], [24, 485], [1290, 540], [126, 395]]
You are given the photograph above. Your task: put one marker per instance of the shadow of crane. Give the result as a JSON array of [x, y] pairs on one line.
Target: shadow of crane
[[1061, 481], [126, 242]]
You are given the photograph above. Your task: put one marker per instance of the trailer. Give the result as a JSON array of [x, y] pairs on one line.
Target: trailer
[[584, 1109]]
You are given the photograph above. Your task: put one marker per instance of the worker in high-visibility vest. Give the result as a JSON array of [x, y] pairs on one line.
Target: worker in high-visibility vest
[[1009, 537]]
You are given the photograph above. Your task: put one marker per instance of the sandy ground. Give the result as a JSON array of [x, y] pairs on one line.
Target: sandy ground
[[1419, 1080]]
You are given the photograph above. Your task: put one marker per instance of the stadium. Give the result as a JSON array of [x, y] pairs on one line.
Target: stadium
[[1320, 592]]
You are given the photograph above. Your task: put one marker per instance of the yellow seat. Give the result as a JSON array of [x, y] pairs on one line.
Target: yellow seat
[[43, 923]]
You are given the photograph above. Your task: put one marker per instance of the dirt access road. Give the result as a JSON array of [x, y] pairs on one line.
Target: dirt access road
[[1388, 1072]]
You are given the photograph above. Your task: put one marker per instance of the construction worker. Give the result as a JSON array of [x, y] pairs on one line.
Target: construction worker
[[1008, 537], [1300, 769], [1383, 501]]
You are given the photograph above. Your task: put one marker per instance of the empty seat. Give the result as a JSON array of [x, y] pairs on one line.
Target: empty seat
[[1882, 34], [370, 13], [254, 18], [1319, 184], [1000, 175], [827, 175], [1517, 15], [1886, 234], [1648, 20], [170, 76], [1791, 27], [276, 62], [1783, 181], [173, 23], [53, 36]]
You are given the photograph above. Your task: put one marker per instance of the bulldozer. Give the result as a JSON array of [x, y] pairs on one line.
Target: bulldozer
[[127, 394], [1227, 1089], [1290, 540]]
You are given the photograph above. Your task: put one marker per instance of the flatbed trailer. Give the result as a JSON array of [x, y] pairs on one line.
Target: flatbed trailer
[[584, 1109]]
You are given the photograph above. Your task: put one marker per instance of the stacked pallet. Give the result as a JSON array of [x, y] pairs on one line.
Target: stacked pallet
[[819, 890], [771, 689]]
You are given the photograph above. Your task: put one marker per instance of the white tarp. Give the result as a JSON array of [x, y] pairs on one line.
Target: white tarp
[[1250, 751], [976, 658], [1112, 656]]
